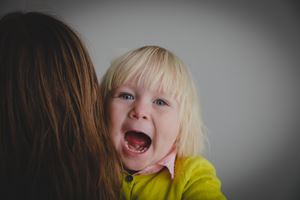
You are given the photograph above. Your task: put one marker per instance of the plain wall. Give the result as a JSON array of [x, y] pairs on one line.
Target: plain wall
[[245, 60]]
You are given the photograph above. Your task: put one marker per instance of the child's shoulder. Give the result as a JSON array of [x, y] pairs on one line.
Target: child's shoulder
[[189, 165], [198, 178]]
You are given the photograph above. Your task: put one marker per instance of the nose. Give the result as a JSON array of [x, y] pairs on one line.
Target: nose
[[140, 110]]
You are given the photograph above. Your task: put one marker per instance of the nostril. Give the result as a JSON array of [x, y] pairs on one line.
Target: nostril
[[138, 113], [133, 114]]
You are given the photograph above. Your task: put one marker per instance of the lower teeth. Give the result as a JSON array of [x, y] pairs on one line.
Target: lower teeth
[[136, 148]]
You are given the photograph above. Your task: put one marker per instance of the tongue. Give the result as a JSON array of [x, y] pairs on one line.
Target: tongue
[[136, 139]]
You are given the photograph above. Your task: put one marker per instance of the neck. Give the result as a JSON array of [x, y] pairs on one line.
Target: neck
[[129, 171]]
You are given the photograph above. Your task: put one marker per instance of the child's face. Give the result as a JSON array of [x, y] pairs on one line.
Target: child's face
[[144, 124]]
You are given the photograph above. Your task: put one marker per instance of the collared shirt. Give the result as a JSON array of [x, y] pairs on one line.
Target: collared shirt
[[194, 178], [168, 161]]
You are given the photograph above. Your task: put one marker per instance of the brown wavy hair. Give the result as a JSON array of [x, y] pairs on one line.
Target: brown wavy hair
[[53, 144]]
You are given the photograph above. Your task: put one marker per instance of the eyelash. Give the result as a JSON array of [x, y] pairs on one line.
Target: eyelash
[[160, 102], [128, 96]]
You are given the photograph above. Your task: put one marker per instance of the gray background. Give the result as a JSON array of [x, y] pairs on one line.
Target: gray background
[[244, 57]]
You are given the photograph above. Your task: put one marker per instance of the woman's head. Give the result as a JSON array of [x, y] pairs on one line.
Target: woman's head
[[50, 131], [46, 74], [158, 69]]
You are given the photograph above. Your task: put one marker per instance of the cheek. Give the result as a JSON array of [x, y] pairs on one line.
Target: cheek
[[174, 119], [116, 117], [171, 127], [176, 126], [113, 111], [112, 123], [175, 133], [114, 129]]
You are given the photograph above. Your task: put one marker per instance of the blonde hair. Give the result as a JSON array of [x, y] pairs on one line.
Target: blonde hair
[[157, 68]]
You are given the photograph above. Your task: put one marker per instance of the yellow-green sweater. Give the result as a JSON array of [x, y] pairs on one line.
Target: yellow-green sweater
[[195, 179]]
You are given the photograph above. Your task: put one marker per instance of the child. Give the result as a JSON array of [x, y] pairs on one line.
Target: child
[[52, 145], [152, 115]]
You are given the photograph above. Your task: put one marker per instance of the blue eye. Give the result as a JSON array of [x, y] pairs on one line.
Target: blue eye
[[126, 96], [160, 102]]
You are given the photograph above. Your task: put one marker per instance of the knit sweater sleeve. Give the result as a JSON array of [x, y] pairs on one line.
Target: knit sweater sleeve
[[201, 182]]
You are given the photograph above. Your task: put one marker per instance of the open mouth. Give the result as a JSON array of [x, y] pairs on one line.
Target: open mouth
[[137, 142]]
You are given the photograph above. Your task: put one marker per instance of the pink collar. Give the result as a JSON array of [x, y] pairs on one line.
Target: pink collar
[[168, 161]]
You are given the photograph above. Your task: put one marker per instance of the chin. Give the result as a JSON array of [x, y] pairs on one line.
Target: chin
[[134, 166]]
